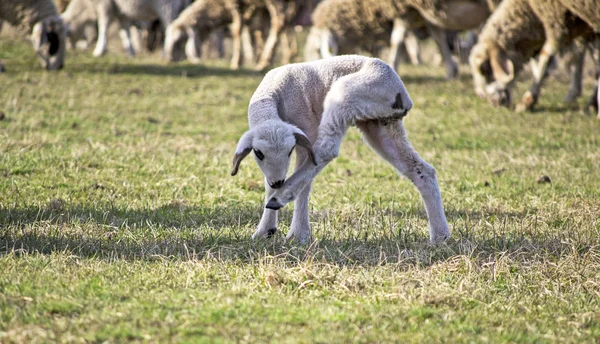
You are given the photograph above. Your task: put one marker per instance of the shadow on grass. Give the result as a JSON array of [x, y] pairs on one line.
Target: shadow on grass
[[174, 232], [162, 69], [433, 79]]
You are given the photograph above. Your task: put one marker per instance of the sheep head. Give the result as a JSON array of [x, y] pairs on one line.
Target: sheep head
[[49, 38], [493, 73], [272, 143]]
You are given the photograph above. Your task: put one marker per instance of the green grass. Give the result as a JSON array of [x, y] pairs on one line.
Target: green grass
[[119, 220]]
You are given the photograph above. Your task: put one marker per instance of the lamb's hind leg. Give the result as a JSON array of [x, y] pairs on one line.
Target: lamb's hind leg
[[389, 141], [268, 222]]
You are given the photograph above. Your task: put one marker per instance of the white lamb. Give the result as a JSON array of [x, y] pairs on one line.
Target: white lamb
[[311, 105]]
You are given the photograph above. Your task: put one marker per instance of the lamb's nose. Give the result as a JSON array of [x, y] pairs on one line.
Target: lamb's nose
[[277, 184]]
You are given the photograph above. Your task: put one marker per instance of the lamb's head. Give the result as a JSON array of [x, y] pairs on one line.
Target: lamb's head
[[493, 73], [273, 143], [49, 38]]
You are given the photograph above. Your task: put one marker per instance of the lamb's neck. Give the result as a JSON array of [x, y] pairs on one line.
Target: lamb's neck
[[262, 110]]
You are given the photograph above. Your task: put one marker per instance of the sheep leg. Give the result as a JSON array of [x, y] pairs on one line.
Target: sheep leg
[[396, 40], [439, 36], [268, 222], [412, 48], [289, 46], [593, 103], [103, 22], [247, 48], [277, 15], [192, 45], [300, 227], [236, 28], [391, 143], [125, 34], [575, 66], [328, 46], [530, 97]]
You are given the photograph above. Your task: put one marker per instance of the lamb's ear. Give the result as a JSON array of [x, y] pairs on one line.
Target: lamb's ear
[[244, 147], [304, 142], [502, 67]]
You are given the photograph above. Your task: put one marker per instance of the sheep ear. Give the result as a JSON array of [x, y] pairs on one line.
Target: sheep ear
[[303, 141], [244, 148], [502, 67]]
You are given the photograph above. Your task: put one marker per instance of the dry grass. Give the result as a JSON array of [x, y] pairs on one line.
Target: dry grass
[[119, 221]]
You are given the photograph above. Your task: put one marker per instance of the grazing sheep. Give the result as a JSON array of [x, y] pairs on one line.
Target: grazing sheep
[[311, 105], [341, 25], [203, 16], [126, 11], [41, 19], [517, 31]]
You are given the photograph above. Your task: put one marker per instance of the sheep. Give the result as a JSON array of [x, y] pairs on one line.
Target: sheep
[[517, 31], [339, 24], [311, 105], [40, 18], [203, 16], [127, 10], [81, 20]]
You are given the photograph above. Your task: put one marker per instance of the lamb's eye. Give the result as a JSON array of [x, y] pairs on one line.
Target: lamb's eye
[[290, 153], [259, 154]]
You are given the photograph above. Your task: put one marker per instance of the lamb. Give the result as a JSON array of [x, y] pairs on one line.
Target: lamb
[[127, 10], [311, 105], [341, 24], [517, 31], [197, 21], [41, 19]]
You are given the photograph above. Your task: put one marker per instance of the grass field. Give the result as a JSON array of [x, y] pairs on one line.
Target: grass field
[[119, 220]]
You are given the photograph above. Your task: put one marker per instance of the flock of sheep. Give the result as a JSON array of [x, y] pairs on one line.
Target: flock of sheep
[[510, 32]]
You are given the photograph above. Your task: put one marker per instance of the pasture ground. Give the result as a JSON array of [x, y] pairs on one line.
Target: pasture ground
[[119, 220]]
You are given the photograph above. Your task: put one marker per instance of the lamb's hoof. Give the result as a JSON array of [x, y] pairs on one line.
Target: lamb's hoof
[[298, 239], [264, 235], [273, 204], [440, 239]]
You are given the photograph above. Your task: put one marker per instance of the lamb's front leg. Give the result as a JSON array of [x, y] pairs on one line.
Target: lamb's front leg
[[268, 222], [327, 147], [300, 227]]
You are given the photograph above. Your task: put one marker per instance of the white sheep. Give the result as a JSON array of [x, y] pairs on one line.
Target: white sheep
[[126, 11], [517, 31], [41, 20], [311, 105]]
